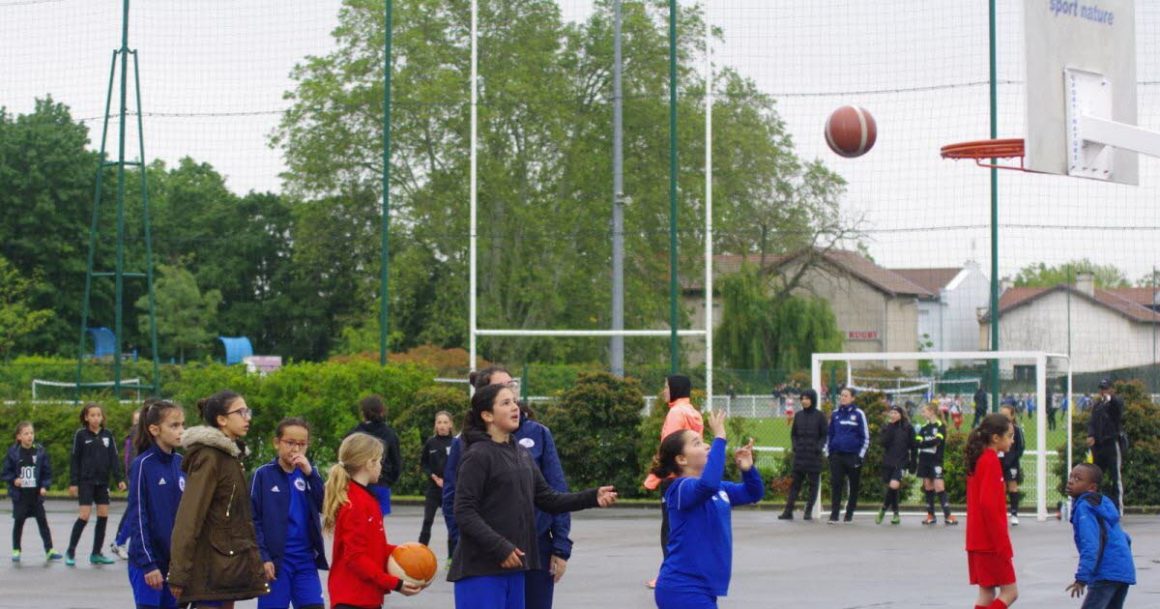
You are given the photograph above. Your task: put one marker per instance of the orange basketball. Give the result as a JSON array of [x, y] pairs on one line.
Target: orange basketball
[[413, 563], [851, 131]]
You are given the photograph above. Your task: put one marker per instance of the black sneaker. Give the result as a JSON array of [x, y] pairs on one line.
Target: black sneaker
[[808, 515], [785, 516], [833, 521]]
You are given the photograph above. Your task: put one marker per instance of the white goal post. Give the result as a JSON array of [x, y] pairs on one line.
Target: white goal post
[[1039, 357]]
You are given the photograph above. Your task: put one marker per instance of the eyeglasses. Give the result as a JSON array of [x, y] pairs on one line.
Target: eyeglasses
[[298, 445], [245, 413]]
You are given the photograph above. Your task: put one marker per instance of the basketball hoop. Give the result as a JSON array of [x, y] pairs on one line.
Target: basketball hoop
[[980, 150]]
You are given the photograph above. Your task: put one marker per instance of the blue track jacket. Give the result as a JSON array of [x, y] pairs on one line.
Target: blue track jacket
[[849, 432], [553, 530], [701, 526], [156, 484], [11, 470], [270, 498], [1086, 521]]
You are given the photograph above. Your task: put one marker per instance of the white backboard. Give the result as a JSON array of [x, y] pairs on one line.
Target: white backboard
[[1089, 35]]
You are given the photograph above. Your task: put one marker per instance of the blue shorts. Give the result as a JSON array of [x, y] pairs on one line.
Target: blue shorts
[[297, 581], [490, 592], [683, 599], [144, 596], [383, 494]]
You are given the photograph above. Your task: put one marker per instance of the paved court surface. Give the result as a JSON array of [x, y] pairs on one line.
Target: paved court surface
[[776, 564]]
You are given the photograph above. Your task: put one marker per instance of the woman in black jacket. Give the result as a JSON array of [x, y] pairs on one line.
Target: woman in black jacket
[[897, 441], [808, 436], [496, 489], [433, 462], [374, 412]]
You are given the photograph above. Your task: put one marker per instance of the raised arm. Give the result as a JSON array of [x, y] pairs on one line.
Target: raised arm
[[688, 493]]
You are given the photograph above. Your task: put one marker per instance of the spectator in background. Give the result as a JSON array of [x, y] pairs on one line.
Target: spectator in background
[[980, 406], [1105, 437], [374, 413]]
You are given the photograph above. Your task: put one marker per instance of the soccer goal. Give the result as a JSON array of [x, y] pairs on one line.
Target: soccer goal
[[1029, 369], [44, 390]]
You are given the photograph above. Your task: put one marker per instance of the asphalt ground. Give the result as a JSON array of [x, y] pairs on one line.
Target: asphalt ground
[[775, 563]]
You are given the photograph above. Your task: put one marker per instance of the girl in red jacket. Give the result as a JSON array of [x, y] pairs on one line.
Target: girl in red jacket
[[358, 573], [989, 550]]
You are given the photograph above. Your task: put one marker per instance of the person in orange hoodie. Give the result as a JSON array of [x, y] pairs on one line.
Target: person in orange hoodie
[[682, 416]]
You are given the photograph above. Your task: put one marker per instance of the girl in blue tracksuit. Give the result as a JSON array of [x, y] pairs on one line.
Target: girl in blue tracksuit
[[157, 484], [286, 495], [700, 552]]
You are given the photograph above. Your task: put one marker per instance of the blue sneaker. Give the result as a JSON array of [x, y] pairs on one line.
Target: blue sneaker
[[15, 555], [54, 555], [70, 560], [101, 559]]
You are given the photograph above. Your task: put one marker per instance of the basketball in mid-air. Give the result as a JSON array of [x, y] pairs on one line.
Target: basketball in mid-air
[[851, 131], [413, 563]]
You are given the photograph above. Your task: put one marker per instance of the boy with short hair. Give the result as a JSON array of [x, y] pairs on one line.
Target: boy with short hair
[[1105, 550]]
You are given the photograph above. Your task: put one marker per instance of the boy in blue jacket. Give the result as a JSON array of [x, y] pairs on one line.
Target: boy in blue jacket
[[847, 440], [28, 474], [1105, 550], [286, 495], [157, 484]]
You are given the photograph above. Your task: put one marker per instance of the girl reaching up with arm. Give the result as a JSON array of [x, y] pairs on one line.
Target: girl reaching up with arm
[[700, 553]]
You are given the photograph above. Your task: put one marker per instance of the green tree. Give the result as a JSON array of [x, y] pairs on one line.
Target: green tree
[[185, 315], [1040, 275], [45, 208], [17, 318], [544, 175], [763, 328]]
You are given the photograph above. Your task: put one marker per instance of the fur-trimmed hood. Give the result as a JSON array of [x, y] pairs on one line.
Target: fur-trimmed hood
[[212, 437]]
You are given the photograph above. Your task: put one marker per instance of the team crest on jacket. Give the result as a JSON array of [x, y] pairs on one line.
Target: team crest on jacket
[[300, 484], [527, 442], [723, 496], [106, 441], [181, 483]]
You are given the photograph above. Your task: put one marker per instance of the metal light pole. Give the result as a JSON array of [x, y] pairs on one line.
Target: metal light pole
[[616, 345], [385, 227], [994, 214], [674, 345]]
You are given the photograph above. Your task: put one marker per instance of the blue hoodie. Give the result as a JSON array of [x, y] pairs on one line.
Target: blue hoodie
[[270, 498], [553, 530], [701, 526], [156, 484], [1086, 520], [849, 432], [11, 471]]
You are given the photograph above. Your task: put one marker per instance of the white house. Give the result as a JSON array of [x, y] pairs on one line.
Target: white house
[[1108, 329], [950, 321]]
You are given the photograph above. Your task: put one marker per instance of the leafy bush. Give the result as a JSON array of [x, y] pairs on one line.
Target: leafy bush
[[415, 421], [596, 425]]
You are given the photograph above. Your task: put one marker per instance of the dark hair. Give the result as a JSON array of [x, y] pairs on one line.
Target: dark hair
[[373, 408], [994, 424], [905, 418], [20, 427], [152, 413], [291, 422], [216, 405], [526, 409], [483, 401], [853, 392], [482, 378], [664, 463], [85, 413], [1094, 472]]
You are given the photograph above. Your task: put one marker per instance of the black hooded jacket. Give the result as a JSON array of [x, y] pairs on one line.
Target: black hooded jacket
[[897, 440], [808, 435]]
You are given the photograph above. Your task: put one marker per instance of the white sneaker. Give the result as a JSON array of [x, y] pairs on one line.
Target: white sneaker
[[121, 552], [1013, 520]]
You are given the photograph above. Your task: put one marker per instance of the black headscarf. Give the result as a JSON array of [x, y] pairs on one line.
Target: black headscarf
[[812, 396], [679, 387]]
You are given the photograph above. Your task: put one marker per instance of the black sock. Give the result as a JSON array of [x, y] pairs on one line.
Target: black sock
[[75, 538], [929, 501], [895, 494], [1015, 502], [886, 499], [99, 534], [942, 499]]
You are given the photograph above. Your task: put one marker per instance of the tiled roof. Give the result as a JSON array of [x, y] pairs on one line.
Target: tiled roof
[[931, 279], [853, 263], [1130, 302]]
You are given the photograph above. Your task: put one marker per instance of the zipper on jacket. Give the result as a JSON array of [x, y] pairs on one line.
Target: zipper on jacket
[[230, 505]]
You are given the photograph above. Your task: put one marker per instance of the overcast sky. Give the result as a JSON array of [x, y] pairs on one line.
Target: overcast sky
[[213, 73]]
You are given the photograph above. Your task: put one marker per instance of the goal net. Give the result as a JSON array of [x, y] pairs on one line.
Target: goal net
[[63, 390], [1035, 384]]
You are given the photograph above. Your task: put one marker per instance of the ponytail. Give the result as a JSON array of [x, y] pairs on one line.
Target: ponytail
[[664, 463], [994, 424], [152, 413], [356, 451]]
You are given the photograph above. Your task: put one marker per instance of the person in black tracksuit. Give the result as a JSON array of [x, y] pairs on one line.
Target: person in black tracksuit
[[497, 488], [433, 462], [808, 436], [931, 444], [897, 440], [980, 406], [374, 412], [1105, 437], [1012, 470], [94, 461]]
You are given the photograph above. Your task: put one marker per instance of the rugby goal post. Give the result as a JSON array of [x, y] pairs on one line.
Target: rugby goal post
[[1039, 357]]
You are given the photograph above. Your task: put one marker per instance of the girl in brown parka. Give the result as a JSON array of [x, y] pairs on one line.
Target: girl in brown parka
[[214, 546]]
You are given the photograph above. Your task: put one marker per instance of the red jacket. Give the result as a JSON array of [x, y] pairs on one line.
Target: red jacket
[[987, 508], [358, 572]]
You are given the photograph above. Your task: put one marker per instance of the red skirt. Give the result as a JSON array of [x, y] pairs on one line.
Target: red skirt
[[990, 569]]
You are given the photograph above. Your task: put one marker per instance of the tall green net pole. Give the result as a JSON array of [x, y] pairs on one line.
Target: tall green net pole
[[674, 347], [994, 214], [384, 260]]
